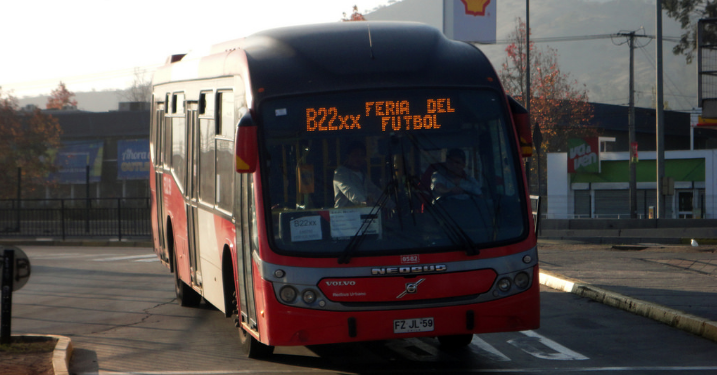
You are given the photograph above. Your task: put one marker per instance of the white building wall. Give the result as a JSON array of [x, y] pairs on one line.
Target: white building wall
[[559, 192]]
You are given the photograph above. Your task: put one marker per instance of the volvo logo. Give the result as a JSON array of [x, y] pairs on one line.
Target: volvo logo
[[411, 288], [409, 269], [340, 283]]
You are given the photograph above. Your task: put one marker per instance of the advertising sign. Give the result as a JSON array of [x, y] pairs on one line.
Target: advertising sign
[[133, 159], [633, 153], [583, 155], [464, 20], [72, 161], [470, 20]]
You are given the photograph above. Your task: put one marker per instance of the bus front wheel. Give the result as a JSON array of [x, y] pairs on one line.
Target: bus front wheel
[[251, 347]]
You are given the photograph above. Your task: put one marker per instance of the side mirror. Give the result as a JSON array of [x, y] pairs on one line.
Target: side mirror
[[521, 122], [246, 149]]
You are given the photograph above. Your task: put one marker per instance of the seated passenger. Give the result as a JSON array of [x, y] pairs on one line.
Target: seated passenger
[[351, 185], [452, 180]]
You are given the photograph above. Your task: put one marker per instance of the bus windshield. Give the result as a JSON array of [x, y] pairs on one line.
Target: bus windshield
[[391, 172]]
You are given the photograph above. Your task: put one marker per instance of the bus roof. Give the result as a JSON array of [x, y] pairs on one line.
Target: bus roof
[[343, 56]]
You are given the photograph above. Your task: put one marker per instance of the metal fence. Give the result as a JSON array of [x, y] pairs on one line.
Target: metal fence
[[76, 218]]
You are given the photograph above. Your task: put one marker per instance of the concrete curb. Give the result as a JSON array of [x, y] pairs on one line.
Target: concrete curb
[[75, 243], [674, 318], [61, 355]]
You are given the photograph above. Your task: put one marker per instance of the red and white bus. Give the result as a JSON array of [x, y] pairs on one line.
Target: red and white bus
[[245, 143]]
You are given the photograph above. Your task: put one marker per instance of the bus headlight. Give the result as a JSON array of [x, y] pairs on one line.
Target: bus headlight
[[522, 280], [309, 296], [287, 294], [504, 284]]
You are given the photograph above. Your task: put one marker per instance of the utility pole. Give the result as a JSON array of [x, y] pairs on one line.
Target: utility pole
[[527, 80], [631, 126], [527, 58], [631, 131], [660, 121], [631, 121]]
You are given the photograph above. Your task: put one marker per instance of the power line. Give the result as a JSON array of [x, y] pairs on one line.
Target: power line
[[584, 37], [669, 80]]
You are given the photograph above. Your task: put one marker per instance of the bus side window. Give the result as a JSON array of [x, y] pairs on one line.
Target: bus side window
[[224, 174], [207, 148], [225, 114], [225, 123]]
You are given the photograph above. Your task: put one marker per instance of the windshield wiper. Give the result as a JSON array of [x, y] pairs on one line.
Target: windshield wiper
[[450, 227], [357, 238], [445, 221]]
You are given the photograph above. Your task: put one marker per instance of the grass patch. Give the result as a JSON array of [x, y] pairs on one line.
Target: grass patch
[[29, 344]]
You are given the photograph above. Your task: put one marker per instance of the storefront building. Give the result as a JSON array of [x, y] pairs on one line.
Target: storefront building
[[606, 193]]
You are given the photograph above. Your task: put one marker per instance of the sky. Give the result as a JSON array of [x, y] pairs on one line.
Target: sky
[[98, 44], [94, 43]]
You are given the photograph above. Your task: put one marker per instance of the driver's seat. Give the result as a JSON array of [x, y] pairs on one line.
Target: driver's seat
[[426, 176]]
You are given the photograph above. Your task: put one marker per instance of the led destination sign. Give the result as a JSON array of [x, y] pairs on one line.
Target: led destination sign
[[392, 116]]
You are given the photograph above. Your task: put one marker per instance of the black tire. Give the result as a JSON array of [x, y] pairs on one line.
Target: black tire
[[454, 342], [252, 348], [186, 296]]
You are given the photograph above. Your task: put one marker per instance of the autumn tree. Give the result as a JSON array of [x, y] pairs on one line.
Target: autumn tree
[[558, 104], [61, 98], [355, 16], [688, 13], [28, 140]]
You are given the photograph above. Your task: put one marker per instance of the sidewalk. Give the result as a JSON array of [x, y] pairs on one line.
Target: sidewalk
[[673, 284]]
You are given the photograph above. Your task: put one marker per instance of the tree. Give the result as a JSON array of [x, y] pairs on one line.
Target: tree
[[688, 12], [355, 16], [558, 104], [28, 140], [61, 98], [141, 89]]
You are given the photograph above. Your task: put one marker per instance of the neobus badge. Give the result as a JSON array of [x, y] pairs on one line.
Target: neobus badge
[[405, 270]]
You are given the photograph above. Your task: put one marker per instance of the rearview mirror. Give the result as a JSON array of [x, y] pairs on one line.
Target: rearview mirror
[[521, 122], [246, 145]]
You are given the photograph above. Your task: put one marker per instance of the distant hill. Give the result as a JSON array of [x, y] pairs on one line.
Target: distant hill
[[600, 64]]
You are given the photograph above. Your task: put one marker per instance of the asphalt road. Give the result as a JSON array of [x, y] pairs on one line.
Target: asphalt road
[[117, 305]]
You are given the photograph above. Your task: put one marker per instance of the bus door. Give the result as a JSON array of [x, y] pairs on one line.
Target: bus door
[[192, 184], [159, 130], [245, 225]]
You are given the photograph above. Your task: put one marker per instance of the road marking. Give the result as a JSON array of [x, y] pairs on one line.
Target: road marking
[[126, 258], [486, 350], [64, 256], [153, 259], [531, 345], [415, 349]]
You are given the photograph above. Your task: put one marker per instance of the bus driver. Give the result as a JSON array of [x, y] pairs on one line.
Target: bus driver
[[351, 185], [452, 180]]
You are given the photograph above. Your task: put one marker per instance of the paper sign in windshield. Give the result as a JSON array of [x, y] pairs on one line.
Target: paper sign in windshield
[[306, 228], [347, 222]]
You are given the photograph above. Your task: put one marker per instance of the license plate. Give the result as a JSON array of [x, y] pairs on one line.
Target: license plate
[[413, 325]]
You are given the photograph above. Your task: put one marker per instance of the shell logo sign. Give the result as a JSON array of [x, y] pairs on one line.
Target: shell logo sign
[[476, 7]]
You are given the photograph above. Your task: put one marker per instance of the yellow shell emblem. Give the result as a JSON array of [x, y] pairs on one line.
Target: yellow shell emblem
[[476, 7]]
